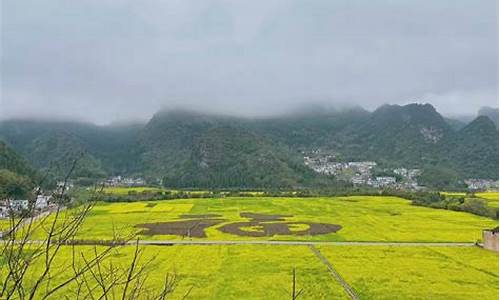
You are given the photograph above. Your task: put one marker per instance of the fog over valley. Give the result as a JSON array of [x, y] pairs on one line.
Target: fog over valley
[[245, 149], [110, 61]]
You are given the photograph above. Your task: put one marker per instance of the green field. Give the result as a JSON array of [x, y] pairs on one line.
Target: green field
[[231, 272], [127, 190], [264, 271], [121, 191], [490, 197], [417, 272], [362, 218], [246, 271]]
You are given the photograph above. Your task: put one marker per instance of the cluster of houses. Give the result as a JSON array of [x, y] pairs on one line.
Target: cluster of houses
[[408, 179], [378, 182], [361, 172], [481, 184], [124, 181], [17, 206], [327, 164]]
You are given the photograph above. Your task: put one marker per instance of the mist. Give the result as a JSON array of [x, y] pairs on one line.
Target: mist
[[105, 61]]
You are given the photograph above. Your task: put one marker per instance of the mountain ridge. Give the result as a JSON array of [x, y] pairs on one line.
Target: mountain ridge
[[189, 148]]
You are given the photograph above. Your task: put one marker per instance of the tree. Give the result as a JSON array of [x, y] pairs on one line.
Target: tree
[[13, 185], [34, 265]]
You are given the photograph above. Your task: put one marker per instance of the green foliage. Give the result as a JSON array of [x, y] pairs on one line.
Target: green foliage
[[214, 152], [13, 185], [477, 150], [439, 178], [53, 146], [16, 175], [479, 207], [491, 113], [188, 149], [11, 161], [458, 202]]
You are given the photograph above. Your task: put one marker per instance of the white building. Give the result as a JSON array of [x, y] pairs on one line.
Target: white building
[[4, 211], [42, 201], [386, 180], [19, 204]]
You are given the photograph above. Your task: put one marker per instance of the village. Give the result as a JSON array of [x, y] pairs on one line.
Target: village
[[361, 172], [43, 201], [481, 184], [124, 181]]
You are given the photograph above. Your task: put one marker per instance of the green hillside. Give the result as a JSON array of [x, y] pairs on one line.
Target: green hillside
[[189, 149], [477, 149], [16, 175], [54, 146], [10, 160]]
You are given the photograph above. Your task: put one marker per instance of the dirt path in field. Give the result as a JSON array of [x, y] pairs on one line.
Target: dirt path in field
[[347, 288], [264, 242], [298, 243], [26, 221]]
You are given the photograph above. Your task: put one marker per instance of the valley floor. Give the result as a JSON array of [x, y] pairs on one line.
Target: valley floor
[[265, 271], [361, 218], [364, 248]]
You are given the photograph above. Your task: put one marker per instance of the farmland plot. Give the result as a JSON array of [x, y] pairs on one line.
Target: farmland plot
[[359, 218]]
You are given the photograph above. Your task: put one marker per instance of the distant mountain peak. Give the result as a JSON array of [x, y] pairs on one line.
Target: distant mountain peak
[[481, 123], [491, 113], [423, 116], [194, 149]]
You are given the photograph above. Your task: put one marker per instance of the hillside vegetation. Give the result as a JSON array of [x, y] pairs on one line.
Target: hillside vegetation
[[16, 175], [188, 149]]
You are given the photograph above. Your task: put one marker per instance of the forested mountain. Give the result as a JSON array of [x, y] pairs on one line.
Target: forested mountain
[[17, 177], [411, 135], [189, 149], [476, 149], [54, 146], [455, 124], [10, 160], [491, 113], [309, 129]]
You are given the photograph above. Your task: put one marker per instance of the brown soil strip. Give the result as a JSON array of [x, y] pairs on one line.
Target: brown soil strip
[[202, 216], [264, 225], [317, 228], [188, 228], [271, 229]]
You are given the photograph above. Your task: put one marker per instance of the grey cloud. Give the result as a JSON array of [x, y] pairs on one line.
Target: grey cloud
[[108, 60]]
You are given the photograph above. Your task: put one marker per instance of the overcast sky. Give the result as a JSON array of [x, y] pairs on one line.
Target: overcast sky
[[103, 61]]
